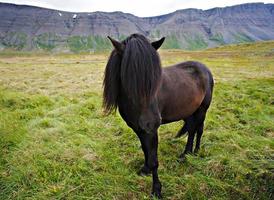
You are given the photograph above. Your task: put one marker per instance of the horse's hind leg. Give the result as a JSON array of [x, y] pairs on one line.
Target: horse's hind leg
[[198, 137], [191, 128], [195, 124], [182, 131], [200, 116]]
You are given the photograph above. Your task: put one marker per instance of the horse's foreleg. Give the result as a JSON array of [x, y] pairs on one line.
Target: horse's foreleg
[[145, 169], [153, 163], [150, 142]]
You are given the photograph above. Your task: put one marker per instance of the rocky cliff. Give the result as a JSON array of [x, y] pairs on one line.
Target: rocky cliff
[[28, 27]]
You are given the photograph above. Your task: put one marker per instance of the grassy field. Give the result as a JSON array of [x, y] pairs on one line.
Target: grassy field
[[56, 143]]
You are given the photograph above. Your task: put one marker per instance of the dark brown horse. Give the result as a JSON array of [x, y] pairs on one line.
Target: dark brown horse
[[148, 96]]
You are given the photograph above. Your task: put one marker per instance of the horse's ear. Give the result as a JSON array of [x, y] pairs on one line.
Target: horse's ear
[[157, 44], [117, 45]]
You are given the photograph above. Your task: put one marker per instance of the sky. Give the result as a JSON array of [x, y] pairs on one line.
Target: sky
[[141, 8]]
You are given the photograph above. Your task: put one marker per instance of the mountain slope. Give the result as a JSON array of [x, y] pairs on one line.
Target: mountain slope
[[28, 27]]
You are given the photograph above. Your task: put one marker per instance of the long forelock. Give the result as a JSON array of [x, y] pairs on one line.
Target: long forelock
[[140, 69]]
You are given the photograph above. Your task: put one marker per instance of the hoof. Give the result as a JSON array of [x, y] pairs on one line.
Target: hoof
[[178, 135], [157, 195], [182, 158], [156, 191], [196, 151], [144, 171]]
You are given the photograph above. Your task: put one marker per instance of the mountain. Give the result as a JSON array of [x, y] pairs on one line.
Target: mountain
[[28, 28]]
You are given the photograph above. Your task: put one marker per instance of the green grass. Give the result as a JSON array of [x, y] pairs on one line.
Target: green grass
[[56, 143]]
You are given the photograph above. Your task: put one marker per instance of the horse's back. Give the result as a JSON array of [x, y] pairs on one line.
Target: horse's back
[[190, 69], [195, 69]]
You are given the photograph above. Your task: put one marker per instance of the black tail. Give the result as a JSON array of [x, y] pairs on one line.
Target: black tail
[[183, 131]]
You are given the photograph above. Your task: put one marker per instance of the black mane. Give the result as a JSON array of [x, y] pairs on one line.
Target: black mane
[[137, 72]]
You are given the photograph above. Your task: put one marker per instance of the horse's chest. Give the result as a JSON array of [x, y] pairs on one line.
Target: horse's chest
[[129, 114]]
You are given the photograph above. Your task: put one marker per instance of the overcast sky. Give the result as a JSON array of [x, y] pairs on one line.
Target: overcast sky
[[141, 8]]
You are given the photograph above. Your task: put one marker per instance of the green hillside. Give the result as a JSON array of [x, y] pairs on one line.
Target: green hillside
[[51, 42]]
